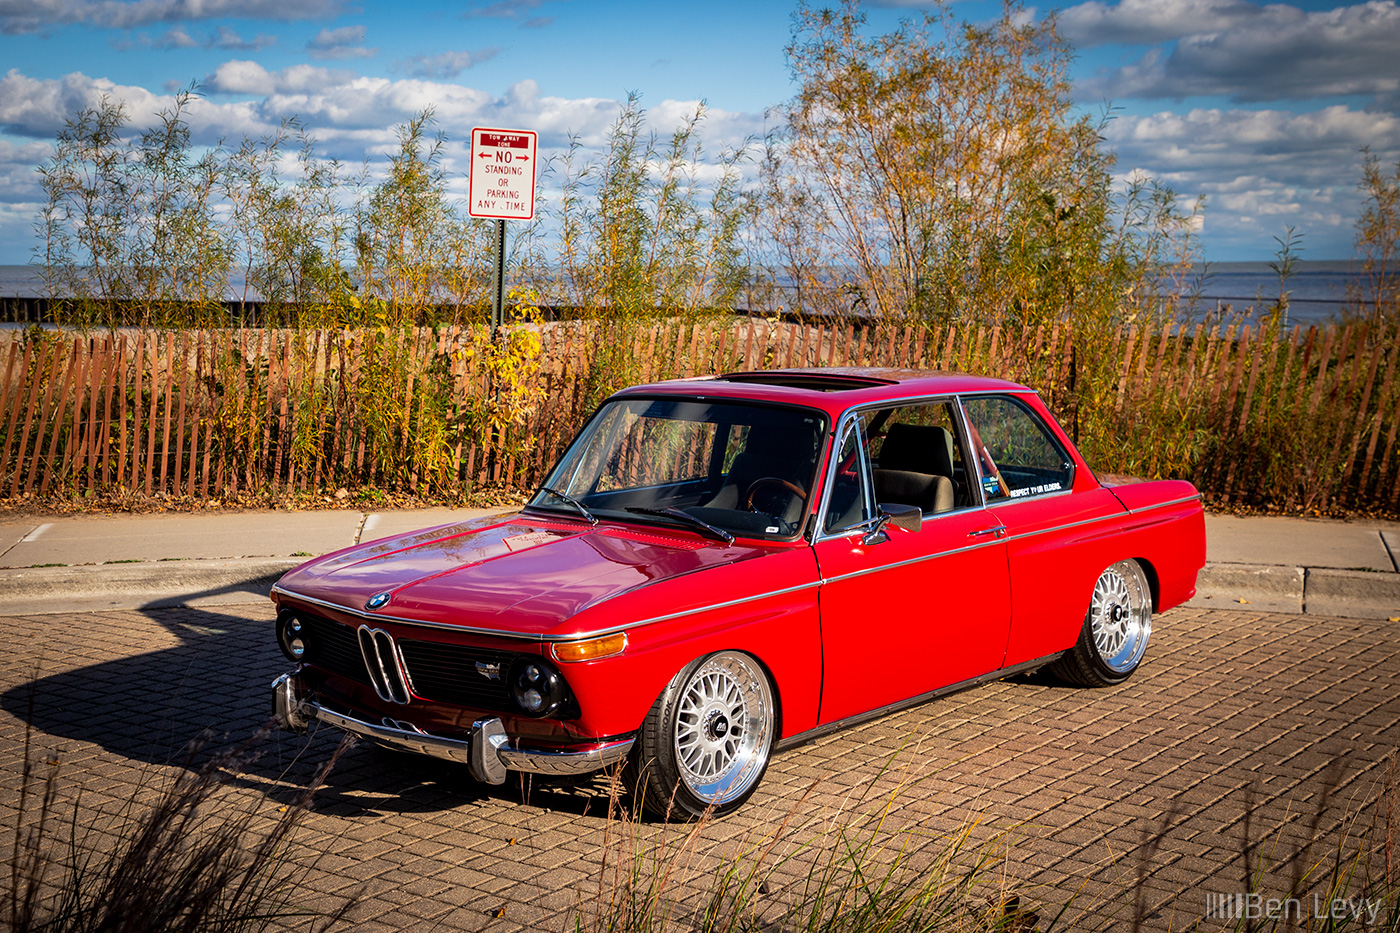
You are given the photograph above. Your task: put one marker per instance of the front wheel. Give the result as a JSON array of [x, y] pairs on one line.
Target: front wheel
[[1116, 629], [707, 739]]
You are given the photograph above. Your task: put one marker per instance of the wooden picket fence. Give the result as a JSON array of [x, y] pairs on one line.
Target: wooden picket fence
[[1302, 420]]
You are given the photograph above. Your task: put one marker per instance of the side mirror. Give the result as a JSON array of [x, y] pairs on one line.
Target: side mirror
[[908, 517]]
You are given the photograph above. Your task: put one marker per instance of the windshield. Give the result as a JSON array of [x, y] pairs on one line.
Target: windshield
[[744, 469]]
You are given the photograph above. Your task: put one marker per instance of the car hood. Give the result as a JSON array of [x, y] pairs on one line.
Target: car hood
[[514, 573]]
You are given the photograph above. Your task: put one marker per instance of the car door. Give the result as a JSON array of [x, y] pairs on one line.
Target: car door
[[1060, 533], [905, 612]]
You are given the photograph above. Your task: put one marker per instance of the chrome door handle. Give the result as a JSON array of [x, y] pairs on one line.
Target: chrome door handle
[[998, 530]]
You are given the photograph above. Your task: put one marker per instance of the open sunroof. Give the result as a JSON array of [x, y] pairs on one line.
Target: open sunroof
[[815, 381]]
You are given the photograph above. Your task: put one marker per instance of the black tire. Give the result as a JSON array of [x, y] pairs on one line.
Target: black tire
[[1115, 632], [705, 744]]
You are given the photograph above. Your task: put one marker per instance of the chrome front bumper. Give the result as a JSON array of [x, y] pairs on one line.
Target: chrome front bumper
[[488, 752]]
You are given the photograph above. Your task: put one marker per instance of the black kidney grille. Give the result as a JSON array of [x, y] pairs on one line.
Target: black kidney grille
[[449, 674], [333, 647]]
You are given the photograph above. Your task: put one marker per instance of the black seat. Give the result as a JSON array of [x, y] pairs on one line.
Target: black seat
[[916, 467]]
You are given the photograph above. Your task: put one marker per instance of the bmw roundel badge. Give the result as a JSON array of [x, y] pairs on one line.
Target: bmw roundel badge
[[377, 601]]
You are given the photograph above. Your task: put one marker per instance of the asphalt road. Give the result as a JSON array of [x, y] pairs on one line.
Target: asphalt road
[[1244, 735]]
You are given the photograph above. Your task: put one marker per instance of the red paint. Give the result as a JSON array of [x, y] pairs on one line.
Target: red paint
[[841, 627]]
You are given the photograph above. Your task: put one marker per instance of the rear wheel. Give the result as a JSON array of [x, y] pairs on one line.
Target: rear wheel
[[707, 739], [1116, 628]]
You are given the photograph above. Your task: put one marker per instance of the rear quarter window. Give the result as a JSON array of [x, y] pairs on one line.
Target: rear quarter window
[[1018, 453]]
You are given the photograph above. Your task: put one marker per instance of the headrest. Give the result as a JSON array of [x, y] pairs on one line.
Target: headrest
[[918, 448]]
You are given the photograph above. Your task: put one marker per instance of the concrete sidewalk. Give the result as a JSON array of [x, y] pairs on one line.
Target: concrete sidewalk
[[76, 563], [90, 562]]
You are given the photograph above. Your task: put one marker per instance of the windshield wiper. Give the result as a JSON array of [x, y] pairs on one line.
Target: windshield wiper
[[719, 534], [592, 519]]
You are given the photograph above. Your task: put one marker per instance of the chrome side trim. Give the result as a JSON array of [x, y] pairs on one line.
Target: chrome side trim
[[540, 637], [802, 738], [580, 636], [995, 542], [1162, 505], [713, 606]]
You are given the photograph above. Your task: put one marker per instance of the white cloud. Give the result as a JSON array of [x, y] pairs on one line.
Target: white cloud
[[343, 42], [176, 37], [1261, 170], [519, 10], [229, 40], [445, 64], [20, 16], [248, 78], [39, 107], [1137, 22], [1245, 52]]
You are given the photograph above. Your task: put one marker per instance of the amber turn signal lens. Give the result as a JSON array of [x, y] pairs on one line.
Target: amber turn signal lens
[[592, 649]]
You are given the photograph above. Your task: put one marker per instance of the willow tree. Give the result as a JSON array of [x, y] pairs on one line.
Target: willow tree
[[1378, 243], [939, 172], [129, 231], [647, 233]]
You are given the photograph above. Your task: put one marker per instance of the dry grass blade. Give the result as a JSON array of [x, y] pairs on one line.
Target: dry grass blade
[[196, 858]]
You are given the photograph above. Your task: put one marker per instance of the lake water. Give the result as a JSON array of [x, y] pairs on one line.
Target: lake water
[[1318, 289]]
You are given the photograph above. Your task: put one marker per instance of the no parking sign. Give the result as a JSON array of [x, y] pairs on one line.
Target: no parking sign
[[501, 184]]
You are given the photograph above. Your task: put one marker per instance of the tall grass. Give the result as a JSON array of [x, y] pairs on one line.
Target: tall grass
[[192, 859], [853, 870], [848, 870]]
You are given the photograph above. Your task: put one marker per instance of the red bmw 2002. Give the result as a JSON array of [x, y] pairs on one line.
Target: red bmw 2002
[[721, 568]]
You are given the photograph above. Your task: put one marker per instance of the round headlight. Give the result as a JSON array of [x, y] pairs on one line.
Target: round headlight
[[291, 636], [537, 688]]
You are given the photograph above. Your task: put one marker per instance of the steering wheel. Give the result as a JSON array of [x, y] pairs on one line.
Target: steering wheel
[[793, 488]]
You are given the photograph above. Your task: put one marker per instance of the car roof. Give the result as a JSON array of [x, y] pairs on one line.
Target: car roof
[[834, 389]]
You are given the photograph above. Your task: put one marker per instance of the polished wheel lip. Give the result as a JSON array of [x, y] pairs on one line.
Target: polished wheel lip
[[724, 728], [1120, 616]]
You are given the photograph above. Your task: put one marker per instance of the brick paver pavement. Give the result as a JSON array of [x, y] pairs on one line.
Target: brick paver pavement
[[1241, 732]]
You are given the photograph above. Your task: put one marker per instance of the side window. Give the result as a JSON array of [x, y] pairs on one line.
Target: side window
[[847, 504], [1018, 455], [918, 457]]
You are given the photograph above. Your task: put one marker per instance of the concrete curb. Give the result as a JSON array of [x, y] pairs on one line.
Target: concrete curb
[[1321, 591], [1355, 594], [163, 584], [146, 585], [1259, 586]]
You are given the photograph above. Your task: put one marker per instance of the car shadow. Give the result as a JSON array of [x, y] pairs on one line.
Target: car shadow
[[180, 705]]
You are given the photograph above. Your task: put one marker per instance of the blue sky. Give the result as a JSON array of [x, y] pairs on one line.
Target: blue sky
[[1263, 109]]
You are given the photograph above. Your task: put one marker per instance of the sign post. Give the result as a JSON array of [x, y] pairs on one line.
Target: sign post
[[501, 186]]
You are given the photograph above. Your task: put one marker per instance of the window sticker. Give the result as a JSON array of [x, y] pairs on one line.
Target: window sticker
[[1035, 490]]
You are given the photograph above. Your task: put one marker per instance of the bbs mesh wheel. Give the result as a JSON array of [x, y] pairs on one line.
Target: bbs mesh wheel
[[707, 739], [1116, 629]]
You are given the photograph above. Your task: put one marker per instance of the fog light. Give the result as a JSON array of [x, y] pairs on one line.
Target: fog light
[[590, 650]]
